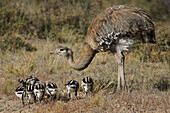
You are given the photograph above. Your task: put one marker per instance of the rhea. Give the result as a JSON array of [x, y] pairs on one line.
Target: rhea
[[21, 93], [51, 89], [115, 29], [21, 90], [87, 85], [30, 93], [39, 91], [72, 86], [31, 80]]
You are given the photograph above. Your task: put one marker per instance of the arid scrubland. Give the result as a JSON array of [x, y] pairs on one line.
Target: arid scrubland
[[29, 30]]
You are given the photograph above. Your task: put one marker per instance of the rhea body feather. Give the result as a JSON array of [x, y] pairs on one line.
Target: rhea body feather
[[115, 29]]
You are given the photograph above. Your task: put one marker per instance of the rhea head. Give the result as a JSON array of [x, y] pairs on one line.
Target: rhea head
[[63, 51]]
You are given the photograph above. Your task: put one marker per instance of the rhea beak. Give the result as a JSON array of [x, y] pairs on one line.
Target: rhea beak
[[54, 52], [51, 52]]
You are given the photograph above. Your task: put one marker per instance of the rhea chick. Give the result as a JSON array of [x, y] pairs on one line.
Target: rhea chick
[[51, 89], [30, 93], [21, 90], [72, 86], [39, 91], [31, 80], [87, 85], [21, 93]]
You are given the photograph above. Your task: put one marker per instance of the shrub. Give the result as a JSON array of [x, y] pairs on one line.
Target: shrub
[[155, 52], [14, 43], [8, 87]]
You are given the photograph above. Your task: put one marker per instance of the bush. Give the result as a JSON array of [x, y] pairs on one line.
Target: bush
[[14, 43], [155, 52], [68, 21], [12, 19]]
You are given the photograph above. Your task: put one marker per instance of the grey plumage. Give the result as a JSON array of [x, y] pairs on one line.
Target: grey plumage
[[115, 29]]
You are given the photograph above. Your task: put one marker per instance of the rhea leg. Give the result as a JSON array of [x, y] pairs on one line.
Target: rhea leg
[[69, 94], [28, 99], [76, 94], [22, 99], [121, 76]]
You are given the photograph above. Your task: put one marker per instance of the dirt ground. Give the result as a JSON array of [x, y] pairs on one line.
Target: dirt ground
[[136, 102]]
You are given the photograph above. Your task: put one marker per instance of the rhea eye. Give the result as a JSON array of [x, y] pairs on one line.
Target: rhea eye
[[61, 49]]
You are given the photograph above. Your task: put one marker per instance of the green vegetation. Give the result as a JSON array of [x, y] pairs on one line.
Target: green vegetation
[[13, 43], [67, 21]]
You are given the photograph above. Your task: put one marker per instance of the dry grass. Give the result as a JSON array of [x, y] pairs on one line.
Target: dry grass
[[145, 80], [136, 101], [43, 25], [62, 24]]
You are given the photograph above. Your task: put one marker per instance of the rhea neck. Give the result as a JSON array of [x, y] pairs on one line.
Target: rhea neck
[[84, 60]]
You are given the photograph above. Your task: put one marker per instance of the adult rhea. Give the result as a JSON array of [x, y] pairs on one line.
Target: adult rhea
[[115, 29]]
